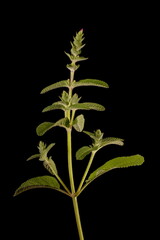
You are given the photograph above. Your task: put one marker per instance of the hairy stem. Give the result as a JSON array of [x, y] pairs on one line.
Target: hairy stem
[[63, 184], [85, 173], [70, 167], [71, 178], [77, 216]]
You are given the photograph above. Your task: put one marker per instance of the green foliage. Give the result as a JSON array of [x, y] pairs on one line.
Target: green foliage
[[75, 52], [98, 143], [38, 182], [60, 84], [90, 82], [78, 123], [55, 106], [83, 152], [88, 106], [45, 126], [48, 163], [119, 162], [69, 103]]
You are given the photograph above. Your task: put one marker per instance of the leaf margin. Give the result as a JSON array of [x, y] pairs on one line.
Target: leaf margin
[[135, 160], [27, 185]]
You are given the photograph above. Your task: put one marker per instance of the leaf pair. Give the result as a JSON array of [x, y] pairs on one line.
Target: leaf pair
[[72, 103], [42, 155], [52, 183], [98, 143], [74, 84], [78, 106]]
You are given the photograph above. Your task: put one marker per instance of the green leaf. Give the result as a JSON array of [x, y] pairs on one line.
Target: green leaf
[[75, 99], [96, 135], [83, 152], [43, 149], [63, 83], [45, 126], [55, 106], [38, 182], [65, 97], [50, 165], [119, 162], [33, 156], [88, 106], [78, 123], [111, 140], [90, 82], [63, 122]]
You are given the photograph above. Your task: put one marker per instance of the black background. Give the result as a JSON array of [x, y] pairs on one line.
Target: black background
[[119, 45]]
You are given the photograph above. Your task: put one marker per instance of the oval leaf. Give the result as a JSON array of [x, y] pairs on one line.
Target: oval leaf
[[83, 152], [119, 162], [45, 126], [63, 83], [38, 182], [88, 106], [78, 123], [91, 82]]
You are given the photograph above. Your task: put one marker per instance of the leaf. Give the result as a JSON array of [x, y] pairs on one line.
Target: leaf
[[78, 58], [111, 140], [45, 126], [75, 99], [44, 151], [96, 135], [54, 106], [38, 182], [63, 122], [78, 123], [33, 156], [50, 166], [90, 82], [63, 83], [119, 162], [83, 152], [88, 106], [65, 97]]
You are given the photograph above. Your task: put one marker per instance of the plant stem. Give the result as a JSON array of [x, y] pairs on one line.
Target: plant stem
[[71, 178], [70, 167], [63, 184], [77, 216], [86, 172]]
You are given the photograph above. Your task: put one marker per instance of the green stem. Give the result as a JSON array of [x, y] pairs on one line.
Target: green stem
[[70, 167], [86, 172], [77, 216], [63, 184], [72, 75], [71, 178]]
